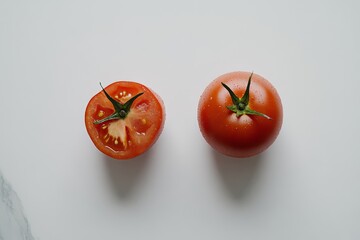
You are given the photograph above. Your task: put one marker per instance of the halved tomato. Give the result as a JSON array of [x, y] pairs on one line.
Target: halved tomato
[[125, 119]]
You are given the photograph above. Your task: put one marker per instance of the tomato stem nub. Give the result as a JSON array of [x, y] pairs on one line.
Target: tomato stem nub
[[241, 105], [121, 110]]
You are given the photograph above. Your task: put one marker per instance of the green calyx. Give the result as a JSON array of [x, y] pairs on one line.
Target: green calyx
[[121, 110], [241, 105]]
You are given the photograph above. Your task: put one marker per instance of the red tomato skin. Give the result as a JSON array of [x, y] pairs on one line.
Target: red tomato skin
[[243, 136], [157, 110]]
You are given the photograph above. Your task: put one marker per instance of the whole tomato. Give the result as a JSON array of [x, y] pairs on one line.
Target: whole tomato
[[125, 119], [240, 114]]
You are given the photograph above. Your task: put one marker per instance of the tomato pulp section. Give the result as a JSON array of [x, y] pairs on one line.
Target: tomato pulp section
[[120, 134]]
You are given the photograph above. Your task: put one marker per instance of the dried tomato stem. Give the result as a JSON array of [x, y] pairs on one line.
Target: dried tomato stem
[[121, 110], [241, 105]]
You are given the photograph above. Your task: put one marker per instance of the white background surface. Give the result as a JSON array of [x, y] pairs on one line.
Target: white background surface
[[306, 186]]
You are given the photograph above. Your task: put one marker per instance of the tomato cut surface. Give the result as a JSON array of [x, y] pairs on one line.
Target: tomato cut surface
[[246, 127], [132, 135]]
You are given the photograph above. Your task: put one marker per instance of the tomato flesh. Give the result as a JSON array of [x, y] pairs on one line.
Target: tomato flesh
[[137, 132], [246, 135]]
